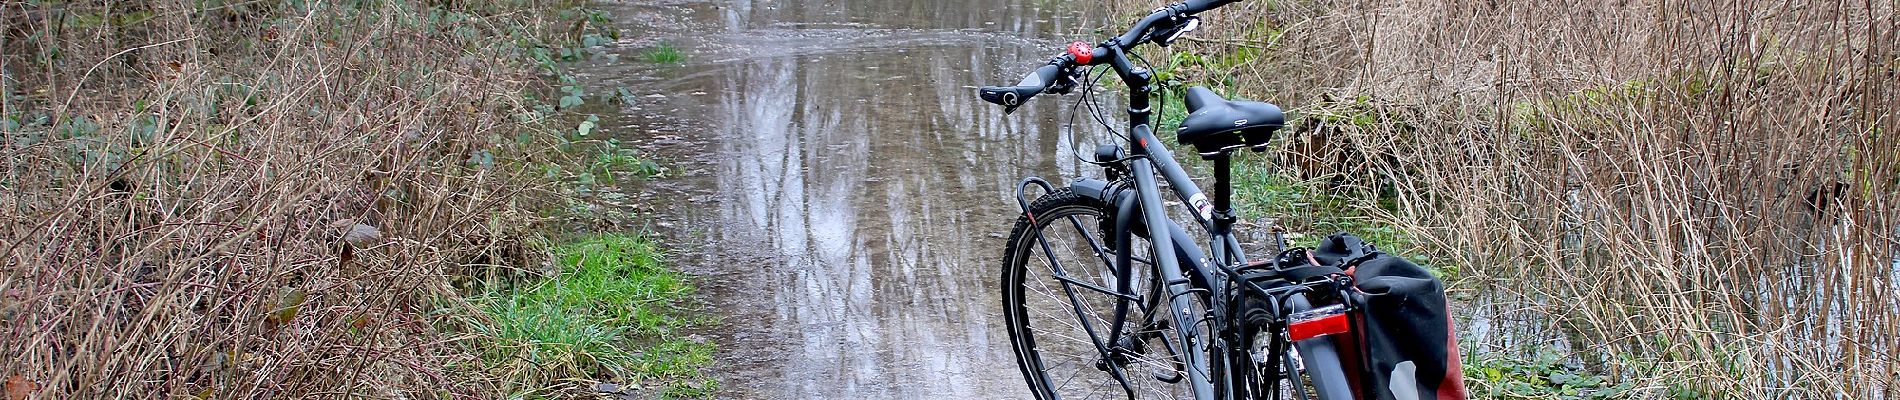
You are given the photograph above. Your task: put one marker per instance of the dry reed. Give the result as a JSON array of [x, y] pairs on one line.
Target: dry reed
[[1699, 194], [260, 199]]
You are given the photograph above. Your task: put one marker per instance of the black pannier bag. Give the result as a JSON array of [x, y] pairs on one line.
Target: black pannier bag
[[1402, 344]]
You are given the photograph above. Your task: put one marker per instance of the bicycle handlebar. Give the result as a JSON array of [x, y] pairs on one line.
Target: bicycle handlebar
[[1170, 14], [1198, 6], [1038, 81], [1057, 75]]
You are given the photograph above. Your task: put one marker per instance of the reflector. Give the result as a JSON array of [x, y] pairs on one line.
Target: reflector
[[1317, 322]]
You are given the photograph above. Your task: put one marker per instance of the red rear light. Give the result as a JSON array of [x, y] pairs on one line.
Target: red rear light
[[1317, 322]]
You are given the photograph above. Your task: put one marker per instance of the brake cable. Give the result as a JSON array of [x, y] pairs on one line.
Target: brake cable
[[1092, 77]]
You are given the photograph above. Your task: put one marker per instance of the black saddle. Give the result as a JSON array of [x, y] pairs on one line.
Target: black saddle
[[1215, 125]]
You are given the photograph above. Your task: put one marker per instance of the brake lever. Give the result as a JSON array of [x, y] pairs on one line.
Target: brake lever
[[1181, 28], [1065, 83]]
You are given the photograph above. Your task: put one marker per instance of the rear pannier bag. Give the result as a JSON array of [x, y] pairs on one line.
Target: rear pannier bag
[[1402, 345]]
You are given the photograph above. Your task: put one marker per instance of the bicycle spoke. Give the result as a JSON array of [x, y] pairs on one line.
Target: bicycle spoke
[[1071, 295], [1081, 310]]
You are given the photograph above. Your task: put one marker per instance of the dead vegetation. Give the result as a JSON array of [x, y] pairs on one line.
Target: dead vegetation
[[1700, 196], [262, 199]]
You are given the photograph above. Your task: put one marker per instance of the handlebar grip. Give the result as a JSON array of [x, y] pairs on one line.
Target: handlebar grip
[[1042, 77], [1197, 6], [1032, 85]]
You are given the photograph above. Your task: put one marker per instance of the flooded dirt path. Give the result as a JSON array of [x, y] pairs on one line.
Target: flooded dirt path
[[836, 184]]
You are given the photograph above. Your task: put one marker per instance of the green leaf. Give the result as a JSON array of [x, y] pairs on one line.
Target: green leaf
[[585, 128], [287, 307], [571, 101], [484, 159], [1561, 378], [142, 130]]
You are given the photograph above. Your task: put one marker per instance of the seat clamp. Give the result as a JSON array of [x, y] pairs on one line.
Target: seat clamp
[[1225, 216]]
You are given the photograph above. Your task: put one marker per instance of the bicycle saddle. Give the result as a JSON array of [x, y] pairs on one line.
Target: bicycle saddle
[[1215, 125]]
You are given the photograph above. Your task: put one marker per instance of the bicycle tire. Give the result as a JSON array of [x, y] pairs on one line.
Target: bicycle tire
[[1151, 347], [1320, 373]]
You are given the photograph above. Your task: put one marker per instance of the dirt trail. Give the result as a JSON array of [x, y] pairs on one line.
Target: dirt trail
[[837, 184]]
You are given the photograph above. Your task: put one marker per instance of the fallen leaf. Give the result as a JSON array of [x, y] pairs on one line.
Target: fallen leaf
[[18, 388], [361, 235], [609, 388], [286, 308]]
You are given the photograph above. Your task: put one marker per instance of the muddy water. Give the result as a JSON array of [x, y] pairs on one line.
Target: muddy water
[[838, 186]]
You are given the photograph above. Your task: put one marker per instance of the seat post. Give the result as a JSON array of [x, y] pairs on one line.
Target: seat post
[[1223, 191]]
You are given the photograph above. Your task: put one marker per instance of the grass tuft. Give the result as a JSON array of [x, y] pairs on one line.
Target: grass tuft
[[665, 53], [612, 312]]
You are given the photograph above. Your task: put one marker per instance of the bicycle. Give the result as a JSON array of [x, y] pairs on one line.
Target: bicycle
[[1151, 300]]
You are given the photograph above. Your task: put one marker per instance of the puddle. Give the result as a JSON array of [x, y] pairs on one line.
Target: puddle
[[844, 195], [838, 186]]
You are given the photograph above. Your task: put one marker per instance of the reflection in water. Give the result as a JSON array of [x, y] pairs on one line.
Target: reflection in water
[[1022, 18], [856, 191], [878, 218], [865, 210]]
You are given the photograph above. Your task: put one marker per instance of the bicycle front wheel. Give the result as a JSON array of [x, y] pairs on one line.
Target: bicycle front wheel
[[1083, 327]]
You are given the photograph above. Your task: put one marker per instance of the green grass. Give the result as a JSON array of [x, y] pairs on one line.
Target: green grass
[[1307, 209], [665, 53], [613, 313]]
